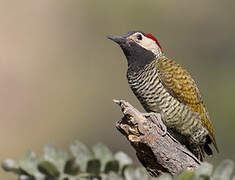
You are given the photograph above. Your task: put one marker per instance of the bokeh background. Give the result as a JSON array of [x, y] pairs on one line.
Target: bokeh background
[[59, 73]]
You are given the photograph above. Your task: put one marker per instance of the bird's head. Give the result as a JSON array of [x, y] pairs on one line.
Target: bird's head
[[140, 48]]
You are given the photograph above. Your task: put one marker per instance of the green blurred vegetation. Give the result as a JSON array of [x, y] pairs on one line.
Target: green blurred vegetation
[[59, 73], [101, 164]]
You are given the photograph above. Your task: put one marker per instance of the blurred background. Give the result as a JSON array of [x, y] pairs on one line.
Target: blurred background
[[59, 73]]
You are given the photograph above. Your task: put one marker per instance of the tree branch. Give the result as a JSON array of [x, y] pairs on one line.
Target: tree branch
[[157, 153]]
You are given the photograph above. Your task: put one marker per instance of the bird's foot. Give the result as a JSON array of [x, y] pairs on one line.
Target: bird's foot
[[157, 119]]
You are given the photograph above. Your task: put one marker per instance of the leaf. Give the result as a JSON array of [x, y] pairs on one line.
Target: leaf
[[103, 153], [112, 176], [82, 178], [224, 170], [71, 167], [129, 174], [10, 165], [186, 175], [81, 153], [204, 171], [140, 173], [93, 166], [28, 166], [111, 166], [49, 169], [55, 156], [123, 159], [25, 177], [165, 177], [73, 178]]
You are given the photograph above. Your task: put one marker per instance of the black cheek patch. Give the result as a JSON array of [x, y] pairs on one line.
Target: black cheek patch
[[136, 55]]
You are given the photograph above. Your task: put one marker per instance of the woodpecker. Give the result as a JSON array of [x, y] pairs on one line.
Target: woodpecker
[[163, 86]]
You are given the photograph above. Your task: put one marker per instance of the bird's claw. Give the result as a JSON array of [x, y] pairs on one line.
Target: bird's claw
[[157, 119]]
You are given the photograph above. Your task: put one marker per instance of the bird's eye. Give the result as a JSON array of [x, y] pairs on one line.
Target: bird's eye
[[139, 36]]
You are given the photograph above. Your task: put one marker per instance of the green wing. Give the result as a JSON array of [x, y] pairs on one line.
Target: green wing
[[181, 86]]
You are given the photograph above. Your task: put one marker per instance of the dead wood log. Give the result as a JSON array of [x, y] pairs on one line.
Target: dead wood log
[[158, 154]]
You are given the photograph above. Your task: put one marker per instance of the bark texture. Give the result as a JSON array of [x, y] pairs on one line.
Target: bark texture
[[156, 149]]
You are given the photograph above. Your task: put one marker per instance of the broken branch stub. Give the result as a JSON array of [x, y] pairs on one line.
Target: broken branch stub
[[158, 153]]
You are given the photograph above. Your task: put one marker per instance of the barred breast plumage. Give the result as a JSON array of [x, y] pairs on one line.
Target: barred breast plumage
[[180, 120]]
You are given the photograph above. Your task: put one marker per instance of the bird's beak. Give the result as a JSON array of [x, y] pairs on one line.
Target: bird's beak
[[118, 39]]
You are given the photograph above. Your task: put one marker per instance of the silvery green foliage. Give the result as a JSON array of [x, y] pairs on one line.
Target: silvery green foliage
[[224, 170], [99, 164]]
